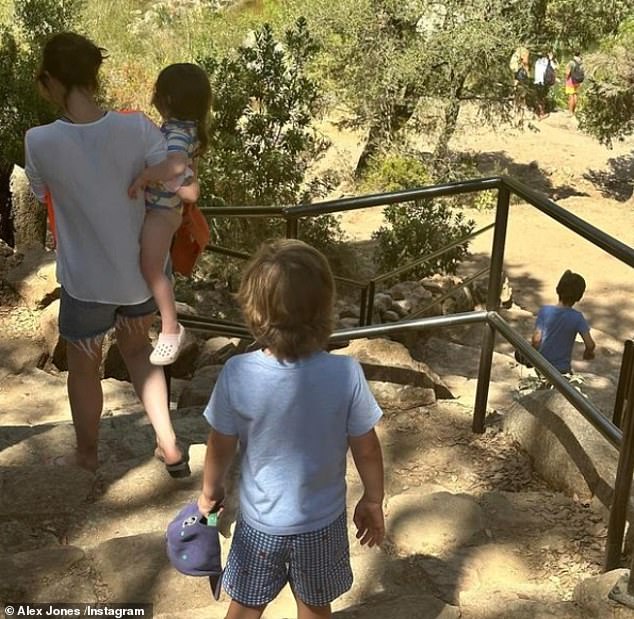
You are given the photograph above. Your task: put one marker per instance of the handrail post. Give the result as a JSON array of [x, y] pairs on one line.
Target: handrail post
[[625, 376], [622, 485], [493, 300], [370, 304], [362, 306], [291, 227]]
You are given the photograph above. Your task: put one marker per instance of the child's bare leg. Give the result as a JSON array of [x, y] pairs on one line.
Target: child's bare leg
[[238, 611], [306, 611], [158, 229]]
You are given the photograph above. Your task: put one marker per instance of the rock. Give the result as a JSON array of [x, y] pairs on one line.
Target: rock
[[136, 568], [19, 354], [480, 289], [436, 523], [34, 278], [382, 302], [53, 489], [347, 323], [402, 307], [405, 607], [217, 350], [349, 311], [389, 362], [32, 575], [390, 316], [592, 595], [198, 392], [186, 363], [566, 449], [29, 218], [54, 344]]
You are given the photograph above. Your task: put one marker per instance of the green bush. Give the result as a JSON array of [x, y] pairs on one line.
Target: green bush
[[261, 139], [415, 228]]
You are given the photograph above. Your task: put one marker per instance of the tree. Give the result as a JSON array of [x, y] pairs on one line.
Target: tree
[[261, 138], [608, 94], [20, 105]]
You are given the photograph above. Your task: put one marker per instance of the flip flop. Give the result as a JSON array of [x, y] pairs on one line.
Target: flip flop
[[176, 470], [168, 347]]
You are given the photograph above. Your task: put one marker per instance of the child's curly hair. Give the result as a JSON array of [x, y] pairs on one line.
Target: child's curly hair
[[287, 295]]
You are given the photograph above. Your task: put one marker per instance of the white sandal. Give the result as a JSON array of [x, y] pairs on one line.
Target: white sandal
[[168, 347]]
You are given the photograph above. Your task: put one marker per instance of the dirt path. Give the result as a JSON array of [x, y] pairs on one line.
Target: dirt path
[[589, 180]]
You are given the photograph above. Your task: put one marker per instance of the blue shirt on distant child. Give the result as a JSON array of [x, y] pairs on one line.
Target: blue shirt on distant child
[[559, 327]]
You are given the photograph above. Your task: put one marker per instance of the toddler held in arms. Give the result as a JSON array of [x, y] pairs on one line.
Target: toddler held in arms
[[182, 95]]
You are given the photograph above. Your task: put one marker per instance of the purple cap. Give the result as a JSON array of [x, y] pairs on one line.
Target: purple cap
[[193, 547]]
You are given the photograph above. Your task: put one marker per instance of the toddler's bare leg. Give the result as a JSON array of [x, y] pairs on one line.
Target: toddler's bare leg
[[306, 611], [158, 229], [238, 611]]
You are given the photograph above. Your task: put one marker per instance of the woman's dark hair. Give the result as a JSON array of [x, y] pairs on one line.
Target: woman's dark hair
[[71, 59], [184, 92], [571, 287]]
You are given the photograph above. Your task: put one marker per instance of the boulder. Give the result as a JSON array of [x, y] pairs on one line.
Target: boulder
[[20, 354], [436, 523], [593, 595], [397, 380], [567, 451], [217, 350], [34, 278], [55, 345], [198, 392]]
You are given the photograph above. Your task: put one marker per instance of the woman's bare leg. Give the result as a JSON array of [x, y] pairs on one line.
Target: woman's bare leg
[[149, 381], [85, 396]]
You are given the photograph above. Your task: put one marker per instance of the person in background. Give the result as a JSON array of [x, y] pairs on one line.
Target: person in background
[[575, 76], [544, 77], [557, 326]]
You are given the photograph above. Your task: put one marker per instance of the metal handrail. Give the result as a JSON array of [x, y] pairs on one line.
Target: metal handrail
[[505, 186], [626, 376]]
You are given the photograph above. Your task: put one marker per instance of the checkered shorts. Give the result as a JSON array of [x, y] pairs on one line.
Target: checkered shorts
[[316, 564]]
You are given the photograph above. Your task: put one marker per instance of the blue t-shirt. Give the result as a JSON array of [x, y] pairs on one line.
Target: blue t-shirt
[[559, 327], [293, 420]]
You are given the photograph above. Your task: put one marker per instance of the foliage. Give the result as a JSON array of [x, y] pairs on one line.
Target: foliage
[[261, 138], [415, 228], [608, 111], [20, 105]]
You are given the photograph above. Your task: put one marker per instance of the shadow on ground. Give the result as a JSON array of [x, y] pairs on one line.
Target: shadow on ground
[[616, 183]]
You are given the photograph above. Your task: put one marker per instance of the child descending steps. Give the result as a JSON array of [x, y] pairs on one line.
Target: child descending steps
[[296, 409], [182, 95]]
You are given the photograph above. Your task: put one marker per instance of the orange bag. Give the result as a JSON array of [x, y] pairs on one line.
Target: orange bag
[[190, 240], [48, 200]]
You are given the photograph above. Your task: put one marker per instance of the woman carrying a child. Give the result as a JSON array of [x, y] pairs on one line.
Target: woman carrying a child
[[85, 161]]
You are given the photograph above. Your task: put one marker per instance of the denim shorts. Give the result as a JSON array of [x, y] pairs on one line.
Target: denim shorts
[[83, 320], [315, 564]]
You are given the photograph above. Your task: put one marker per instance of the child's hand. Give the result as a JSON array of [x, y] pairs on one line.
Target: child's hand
[[370, 523], [207, 505], [139, 184]]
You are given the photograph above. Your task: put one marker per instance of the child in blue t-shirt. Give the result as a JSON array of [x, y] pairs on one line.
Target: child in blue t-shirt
[[557, 325], [295, 409]]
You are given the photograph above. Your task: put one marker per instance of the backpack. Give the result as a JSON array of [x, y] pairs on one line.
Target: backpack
[[550, 77], [521, 74], [577, 74]]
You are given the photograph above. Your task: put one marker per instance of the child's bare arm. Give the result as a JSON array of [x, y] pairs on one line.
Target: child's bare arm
[[536, 340], [221, 449], [368, 514], [189, 192], [172, 166], [588, 353]]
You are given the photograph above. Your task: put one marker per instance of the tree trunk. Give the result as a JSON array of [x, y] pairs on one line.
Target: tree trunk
[[29, 216], [441, 152], [6, 221], [381, 134]]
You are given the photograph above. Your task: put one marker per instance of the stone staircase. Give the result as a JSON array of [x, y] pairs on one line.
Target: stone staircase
[[472, 531]]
